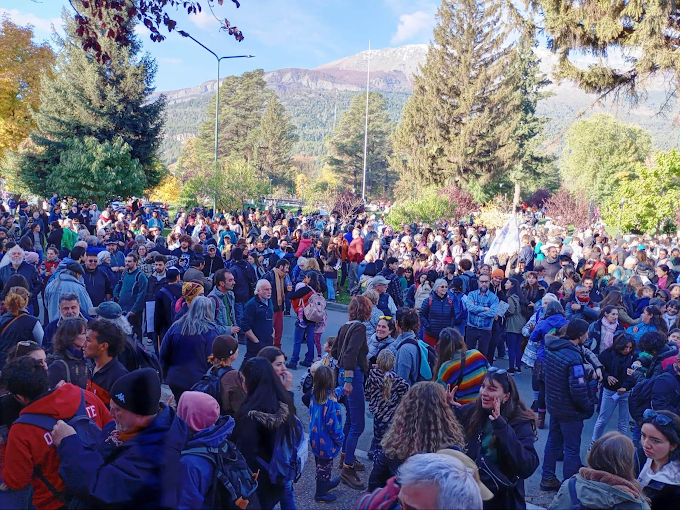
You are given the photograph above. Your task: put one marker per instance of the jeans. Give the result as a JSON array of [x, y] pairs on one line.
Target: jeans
[[238, 315], [40, 256], [288, 500], [479, 339], [353, 277], [278, 328], [538, 384], [607, 408], [563, 436], [308, 335], [330, 283], [515, 350], [344, 268], [355, 405]]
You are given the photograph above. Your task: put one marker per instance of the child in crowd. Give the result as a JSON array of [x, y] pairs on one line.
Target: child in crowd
[[644, 294], [306, 383], [384, 389], [325, 431], [671, 313]]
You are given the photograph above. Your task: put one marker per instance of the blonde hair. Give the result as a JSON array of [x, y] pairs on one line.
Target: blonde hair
[[372, 295], [16, 300], [311, 264], [422, 423], [385, 362]]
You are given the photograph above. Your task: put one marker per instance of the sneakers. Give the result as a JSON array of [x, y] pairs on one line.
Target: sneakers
[[358, 466], [550, 484], [349, 476], [291, 366], [511, 371]]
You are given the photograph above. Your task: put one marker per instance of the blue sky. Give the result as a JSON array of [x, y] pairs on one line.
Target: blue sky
[[280, 33]]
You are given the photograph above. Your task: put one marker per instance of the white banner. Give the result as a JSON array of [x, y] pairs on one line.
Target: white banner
[[506, 241]]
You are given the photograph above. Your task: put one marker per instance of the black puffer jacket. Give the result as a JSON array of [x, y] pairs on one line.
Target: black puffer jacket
[[245, 280], [517, 458], [569, 394]]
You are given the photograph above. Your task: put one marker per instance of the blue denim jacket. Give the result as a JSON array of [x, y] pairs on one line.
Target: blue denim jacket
[[475, 302]]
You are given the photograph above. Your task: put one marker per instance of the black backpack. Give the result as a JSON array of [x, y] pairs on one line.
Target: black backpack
[[233, 482], [134, 357], [641, 398], [211, 383]]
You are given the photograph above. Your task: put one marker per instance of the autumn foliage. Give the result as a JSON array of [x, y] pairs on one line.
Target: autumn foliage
[[567, 210]]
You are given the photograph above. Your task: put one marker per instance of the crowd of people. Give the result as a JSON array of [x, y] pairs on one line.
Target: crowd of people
[[107, 307]]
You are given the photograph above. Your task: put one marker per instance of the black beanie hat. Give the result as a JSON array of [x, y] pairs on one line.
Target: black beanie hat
[[224, 346], [138, 392], [576, 328]]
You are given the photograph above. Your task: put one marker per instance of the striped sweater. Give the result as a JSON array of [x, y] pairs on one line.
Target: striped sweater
[[476, 366]]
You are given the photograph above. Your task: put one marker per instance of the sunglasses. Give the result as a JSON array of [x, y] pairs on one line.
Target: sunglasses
[[386, 317], [496, 370], [659, 419]]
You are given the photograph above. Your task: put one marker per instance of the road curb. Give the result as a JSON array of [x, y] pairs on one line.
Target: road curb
[[337, 307]]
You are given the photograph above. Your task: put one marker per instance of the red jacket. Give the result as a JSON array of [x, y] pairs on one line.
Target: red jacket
[[304, 244], [356, 250], [29, 447]]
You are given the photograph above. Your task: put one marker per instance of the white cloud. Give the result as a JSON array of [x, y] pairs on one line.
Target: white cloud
[[413, 25], [204, 20], [170, 60], [25, 18]]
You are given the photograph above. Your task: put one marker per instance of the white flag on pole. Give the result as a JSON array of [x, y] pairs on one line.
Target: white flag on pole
[[506, 241]]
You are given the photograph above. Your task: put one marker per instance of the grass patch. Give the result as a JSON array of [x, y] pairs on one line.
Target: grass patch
[[342, 297]]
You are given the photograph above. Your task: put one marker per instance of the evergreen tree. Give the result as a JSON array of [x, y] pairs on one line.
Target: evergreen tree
[[346, 146], [242, 102], [277, 136], [532, 168], [458, 125], [106, 101]]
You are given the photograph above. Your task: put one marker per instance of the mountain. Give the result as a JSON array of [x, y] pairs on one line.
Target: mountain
[[316, 98]]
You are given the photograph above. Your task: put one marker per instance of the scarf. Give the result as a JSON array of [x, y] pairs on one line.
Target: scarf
[[280, 290], [608, 330]]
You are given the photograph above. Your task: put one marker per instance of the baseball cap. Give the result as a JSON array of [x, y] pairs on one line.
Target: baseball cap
[[107, 310], [380, 280], [469, 464]]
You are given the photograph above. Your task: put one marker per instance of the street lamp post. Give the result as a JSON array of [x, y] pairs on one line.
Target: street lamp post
[[217, 95]]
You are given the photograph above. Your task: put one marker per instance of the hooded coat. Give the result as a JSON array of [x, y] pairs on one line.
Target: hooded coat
[[63, 284], [138, 473], [599, 489], [197, 474]]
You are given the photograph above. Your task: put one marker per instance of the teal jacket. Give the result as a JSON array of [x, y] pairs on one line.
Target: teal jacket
[[130, 291], [598, 489]]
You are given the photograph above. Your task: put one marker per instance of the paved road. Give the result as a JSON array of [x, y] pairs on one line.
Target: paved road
[[347, 497]]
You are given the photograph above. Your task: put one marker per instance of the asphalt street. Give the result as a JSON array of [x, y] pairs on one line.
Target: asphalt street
[[347, 497]]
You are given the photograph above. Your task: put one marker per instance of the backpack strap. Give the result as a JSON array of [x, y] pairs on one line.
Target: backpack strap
[[68, 370], [45, 421], [10, 322], [575, 502]]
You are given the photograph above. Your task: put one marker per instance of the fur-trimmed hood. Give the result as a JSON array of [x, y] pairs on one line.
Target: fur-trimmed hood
[[271, 421]]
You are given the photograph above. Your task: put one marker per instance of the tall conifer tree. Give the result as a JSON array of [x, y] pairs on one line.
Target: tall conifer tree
[[106, 101], [457, 127]]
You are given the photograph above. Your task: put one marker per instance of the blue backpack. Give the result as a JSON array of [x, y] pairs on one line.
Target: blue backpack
[[285, 464], [86, 429]]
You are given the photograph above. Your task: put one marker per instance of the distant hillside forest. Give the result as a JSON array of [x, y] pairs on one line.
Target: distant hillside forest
[[313, 112]]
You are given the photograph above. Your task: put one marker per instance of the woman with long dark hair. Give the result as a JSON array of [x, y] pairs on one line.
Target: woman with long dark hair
[[500, 433], [267, 409], [66, 362], [651, 320]]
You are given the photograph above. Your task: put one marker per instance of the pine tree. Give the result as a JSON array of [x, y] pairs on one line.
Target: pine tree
[[277, 136], [346, 146], [242, 102], [532, 168], [107, 102], [458, 125]]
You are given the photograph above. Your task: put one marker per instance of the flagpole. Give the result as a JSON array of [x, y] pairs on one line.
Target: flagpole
[[368, 74]]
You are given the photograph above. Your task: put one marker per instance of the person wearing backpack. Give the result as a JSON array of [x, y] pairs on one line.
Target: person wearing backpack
[[66, 362], [438, 312], [209, 459], [30, 455], [267, 431], [325, 431], [134, 463], [222, 381], [104, 341], [130, 293], [304, 328], [411, 365], [166, 298]]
